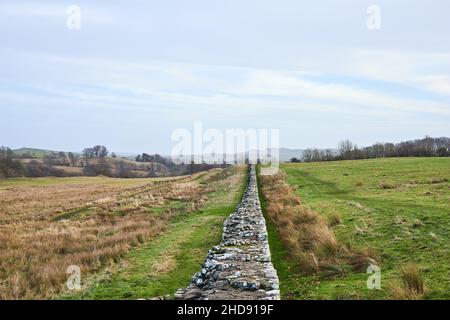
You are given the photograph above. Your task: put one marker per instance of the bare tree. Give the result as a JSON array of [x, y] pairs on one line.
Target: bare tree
[[345, 149], [307, 155], [72, 159]]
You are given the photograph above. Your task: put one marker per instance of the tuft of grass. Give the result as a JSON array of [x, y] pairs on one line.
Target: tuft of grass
[[438, 180], [334, 219], [411, 286], [417, 224], [361, 257], [386, 185]]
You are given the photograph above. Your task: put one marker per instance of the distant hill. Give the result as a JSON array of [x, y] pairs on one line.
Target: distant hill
[[287, 154], [37, 153], [36, 164], [40, 153], [128, 155]]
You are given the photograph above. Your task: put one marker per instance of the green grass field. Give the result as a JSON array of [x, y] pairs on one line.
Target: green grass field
[[38, 153], [400, 207]]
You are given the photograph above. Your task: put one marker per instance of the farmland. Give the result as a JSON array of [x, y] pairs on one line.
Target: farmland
[[396, 211], [145, 238], [48, 224]]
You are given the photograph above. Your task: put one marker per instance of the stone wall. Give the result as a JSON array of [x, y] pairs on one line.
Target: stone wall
[[239, 268]]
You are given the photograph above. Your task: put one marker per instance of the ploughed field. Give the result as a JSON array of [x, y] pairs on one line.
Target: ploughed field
[[98, 224], [329, 221]]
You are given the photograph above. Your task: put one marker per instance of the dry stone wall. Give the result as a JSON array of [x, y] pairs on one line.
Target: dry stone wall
[[239, 268]]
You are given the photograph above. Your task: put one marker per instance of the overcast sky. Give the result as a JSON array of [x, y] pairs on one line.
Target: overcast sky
[[137, 70]]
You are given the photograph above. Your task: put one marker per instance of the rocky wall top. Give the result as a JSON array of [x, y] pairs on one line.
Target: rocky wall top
[[240, 267]]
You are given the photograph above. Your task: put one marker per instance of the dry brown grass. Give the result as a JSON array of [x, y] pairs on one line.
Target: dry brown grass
[[386, 185], [164, 264], [307, 235], [411, 285], [334, 219], [438, 180], [45, 229]]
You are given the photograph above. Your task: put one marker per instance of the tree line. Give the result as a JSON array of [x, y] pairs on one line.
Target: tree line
[[93, 161], [347, 150], [9, 168], [145, 157]]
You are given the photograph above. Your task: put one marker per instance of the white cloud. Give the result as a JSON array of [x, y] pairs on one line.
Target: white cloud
[[272, 83], [180, 89], [439, 84], [30, 10], [420, 69], [423, 70]]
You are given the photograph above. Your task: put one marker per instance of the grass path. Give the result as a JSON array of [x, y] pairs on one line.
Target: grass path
[[167, 263]]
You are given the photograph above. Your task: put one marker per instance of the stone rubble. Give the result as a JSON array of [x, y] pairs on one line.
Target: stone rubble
[[239, 268]]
